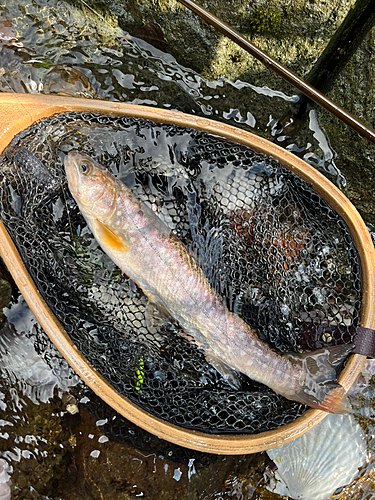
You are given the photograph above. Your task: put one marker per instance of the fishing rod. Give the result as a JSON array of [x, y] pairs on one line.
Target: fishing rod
[[282, 71]]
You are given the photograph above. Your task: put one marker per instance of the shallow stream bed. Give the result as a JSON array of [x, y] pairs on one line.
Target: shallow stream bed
[[49, 450]]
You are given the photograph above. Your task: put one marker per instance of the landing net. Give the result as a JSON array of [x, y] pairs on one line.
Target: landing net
[[275, 251]]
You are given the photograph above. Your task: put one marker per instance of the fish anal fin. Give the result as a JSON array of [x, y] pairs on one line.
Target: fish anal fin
[[109, 238], [156, 313], [225, 371]]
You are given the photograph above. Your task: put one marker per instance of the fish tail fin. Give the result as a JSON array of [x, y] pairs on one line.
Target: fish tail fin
[[336, 400], [321, 389], [330, 398]]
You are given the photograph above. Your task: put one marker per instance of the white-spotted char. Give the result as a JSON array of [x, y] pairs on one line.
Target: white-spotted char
[[147, 251]]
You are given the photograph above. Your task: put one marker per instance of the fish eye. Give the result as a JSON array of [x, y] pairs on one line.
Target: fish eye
[[85, 168]]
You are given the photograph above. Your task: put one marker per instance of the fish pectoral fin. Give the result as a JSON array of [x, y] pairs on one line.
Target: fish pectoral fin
[[228, 373], [156, 314], [109, 238]]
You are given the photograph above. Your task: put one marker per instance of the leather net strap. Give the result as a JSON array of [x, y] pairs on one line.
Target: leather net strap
[[365, 342]]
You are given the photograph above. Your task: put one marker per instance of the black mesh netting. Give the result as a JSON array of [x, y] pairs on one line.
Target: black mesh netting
[[269, 244]]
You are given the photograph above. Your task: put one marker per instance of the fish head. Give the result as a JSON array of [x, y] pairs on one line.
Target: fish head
[[90, 184]]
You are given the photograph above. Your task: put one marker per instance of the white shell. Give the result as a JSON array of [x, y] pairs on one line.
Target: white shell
[[5, 482], [323, 459]]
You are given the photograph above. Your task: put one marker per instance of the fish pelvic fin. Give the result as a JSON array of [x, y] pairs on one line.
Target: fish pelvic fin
[[109, 238], [321, 389]]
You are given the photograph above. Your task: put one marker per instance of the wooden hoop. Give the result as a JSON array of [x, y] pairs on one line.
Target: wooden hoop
[[20, 111]]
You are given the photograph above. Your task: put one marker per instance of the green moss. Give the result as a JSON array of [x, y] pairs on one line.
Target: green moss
[[265, 19], [139, 374]]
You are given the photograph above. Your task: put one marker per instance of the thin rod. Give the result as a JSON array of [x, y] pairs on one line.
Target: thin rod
[[282, 71]]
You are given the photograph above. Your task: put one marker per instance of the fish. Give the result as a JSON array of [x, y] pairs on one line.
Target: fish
[[150, 254]]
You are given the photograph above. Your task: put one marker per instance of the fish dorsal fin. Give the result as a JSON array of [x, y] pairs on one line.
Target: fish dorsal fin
[[110, 239]]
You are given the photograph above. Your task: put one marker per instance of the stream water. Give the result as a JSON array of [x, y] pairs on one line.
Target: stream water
[[48, 451]]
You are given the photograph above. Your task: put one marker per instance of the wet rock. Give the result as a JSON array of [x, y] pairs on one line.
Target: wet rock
[[5, 294], [70, 403], [105, 469], [58, 79], [65, 81], [36, 445], [5, 291], [354, 89], [7, 34], [293, 32], [151, 33]]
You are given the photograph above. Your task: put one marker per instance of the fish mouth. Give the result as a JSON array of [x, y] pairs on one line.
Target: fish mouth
[[71, 170]]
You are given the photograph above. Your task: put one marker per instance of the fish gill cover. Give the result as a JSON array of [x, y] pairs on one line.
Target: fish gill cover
[[279, 256]]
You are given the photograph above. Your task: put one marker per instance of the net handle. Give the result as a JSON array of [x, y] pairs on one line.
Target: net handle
[[14, 119]]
